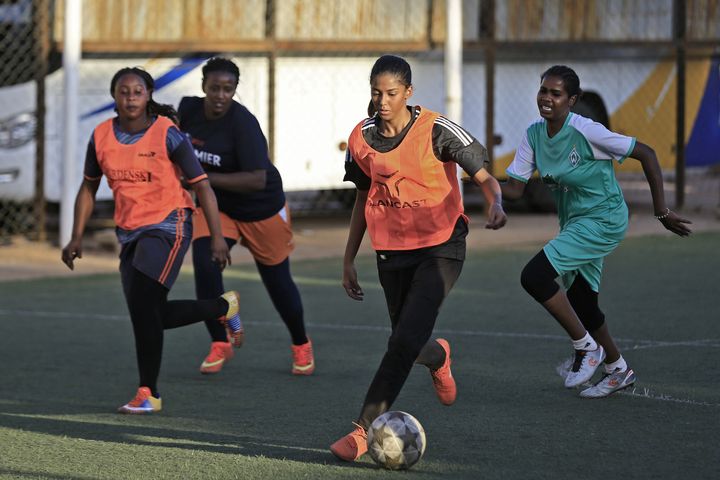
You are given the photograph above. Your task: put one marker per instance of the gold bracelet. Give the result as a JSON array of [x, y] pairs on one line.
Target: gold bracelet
[[664, 215]]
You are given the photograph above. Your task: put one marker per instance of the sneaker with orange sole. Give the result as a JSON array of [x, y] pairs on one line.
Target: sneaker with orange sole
[[442, 378], [220, 352], [303, 359], [231, 319], [352, 446], [142, 404]]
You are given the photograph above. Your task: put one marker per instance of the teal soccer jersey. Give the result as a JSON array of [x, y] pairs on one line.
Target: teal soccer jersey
[[576, 164]]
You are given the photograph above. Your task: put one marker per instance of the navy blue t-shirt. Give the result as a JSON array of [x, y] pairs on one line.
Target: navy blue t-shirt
[[233, 143]]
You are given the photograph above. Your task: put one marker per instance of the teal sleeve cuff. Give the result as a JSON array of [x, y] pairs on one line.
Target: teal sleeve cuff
[[627, 154]]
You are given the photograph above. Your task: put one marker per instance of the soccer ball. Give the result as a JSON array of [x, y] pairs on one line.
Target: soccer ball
[[396, 440]]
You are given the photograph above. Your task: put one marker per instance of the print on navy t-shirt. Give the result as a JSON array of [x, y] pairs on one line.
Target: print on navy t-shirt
[[233, 143]]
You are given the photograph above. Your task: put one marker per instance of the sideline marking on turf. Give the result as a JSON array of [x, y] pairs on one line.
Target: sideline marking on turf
[[563, 368], [687, 343], [634, 344], [638, 344], [647, 393], [326, 282]]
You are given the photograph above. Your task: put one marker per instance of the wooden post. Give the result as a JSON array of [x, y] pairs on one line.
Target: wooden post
[[270, 16], [679, 37], [41, 47], [487, 33]]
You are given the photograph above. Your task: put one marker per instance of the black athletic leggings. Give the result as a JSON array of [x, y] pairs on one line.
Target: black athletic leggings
[[538, 279], [413, 296], [277, 280], [151, 313]]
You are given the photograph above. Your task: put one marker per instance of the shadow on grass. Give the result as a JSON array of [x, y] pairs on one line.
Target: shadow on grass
[[29, 474], [77, 422]]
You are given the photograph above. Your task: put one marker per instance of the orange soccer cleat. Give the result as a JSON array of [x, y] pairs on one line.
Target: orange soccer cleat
[[303, 359], [352, 446], [143, 403], [442, 378], [220, 353]]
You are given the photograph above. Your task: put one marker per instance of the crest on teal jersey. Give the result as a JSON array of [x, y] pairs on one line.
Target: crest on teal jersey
[[574, 157]]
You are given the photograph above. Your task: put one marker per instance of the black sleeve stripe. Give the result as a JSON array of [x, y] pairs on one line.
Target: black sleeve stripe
[[455, 130]]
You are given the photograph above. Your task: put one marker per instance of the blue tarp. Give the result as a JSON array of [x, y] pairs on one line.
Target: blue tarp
[[703, 147]]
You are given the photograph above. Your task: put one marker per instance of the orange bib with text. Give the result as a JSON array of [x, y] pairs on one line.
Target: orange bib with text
[[145, 183], [414, 199]]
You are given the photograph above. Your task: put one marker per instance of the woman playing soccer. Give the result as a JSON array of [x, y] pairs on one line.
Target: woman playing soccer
[[141, 153], [233, 151], [573, 156], [403, 161]]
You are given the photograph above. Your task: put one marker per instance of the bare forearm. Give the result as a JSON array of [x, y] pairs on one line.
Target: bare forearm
[[493, 197], [209, 205], [358, 226], [653, 174], [489, 185], [512, 189], [491, 190], [84, 205], [669, 219]]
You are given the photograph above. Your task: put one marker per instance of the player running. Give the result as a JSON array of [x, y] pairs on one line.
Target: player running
[[403, 161], [233, 152], [141, 152], [574, 157]]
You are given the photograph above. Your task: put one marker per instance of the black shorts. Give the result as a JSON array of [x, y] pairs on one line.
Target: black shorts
[[157, 254]]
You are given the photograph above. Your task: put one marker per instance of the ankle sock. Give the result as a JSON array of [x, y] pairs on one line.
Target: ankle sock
[[585, 343], [618, 364]]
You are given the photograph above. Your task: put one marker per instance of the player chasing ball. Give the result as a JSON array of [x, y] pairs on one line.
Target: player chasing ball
[[403, 160]]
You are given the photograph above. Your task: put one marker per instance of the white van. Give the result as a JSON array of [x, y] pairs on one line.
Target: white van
[[17, 104], [320, 99]]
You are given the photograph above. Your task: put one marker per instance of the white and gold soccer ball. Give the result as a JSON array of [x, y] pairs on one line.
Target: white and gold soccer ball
[[396, 440]]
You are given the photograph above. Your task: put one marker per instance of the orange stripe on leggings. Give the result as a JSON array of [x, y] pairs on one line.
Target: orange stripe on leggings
[[176, 246]]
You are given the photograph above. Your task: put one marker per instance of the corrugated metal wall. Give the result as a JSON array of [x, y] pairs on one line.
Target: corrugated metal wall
[[143, 21]]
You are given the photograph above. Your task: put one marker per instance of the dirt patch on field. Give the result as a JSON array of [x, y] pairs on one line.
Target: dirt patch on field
[[314, 238]]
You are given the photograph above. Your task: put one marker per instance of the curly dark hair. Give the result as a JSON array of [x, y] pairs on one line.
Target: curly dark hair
[[569, 78], [221, 64]]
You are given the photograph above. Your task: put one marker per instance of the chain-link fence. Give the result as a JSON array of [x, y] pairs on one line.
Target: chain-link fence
[[648, 69], [305, 66], [23, 55]]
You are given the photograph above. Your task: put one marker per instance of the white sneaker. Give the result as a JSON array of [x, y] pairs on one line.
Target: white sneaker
[[610, 383], [584, 366]]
